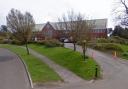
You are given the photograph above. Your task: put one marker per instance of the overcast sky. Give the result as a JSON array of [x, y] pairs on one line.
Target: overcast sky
[[50, 10]]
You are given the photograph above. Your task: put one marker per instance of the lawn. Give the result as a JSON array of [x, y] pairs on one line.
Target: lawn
[[124, 54], [124, 47], [39, 71], [69, 59]]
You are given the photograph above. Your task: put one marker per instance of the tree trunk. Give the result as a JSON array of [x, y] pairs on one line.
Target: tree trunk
[[74, 46], [26, 44], [84, 50]]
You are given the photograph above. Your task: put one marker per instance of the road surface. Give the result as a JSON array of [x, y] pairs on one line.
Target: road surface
[[114, 71], [12, 72]]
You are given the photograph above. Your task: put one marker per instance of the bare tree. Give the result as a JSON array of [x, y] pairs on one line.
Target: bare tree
[[122, 12], [124, 18], [21, 25], [76, 25]]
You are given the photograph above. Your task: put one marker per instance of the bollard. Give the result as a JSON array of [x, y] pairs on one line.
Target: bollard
[[114, 55], [96, 72]]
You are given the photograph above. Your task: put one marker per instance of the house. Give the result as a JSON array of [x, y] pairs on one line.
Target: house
[[48, 30]]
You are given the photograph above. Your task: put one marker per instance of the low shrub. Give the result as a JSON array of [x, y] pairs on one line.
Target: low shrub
[[1, 38], [108, 47], [117, 39], [1, 42], [5, 41], [16, 42], [52, 43], [102, 40], [40, 42], [125, 54], [112, 46], [81, 43], [91, 45], [49, 43], [113, 39], [98, 46], [32, 42]]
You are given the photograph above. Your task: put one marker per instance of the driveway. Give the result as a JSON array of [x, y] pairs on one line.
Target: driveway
[[12, 71], [114, 72]]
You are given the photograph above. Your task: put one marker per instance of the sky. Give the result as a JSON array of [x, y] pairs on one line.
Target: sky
[[51, 10]]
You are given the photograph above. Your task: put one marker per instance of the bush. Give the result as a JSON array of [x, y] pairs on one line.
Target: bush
[[108, 47], [98, 46], [125, 54], [16, 42], [102, 40], [91, 45], [1, 38], [113, 39], [32, 42], [1, 42], [40, 42], [117, 39], [81, 43], [5, 41], [49, 43], [52, 43], [112, 46]]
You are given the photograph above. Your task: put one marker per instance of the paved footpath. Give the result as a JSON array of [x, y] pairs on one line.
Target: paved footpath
[[114, 70], [12, 72], [65, 74], [68, 77]]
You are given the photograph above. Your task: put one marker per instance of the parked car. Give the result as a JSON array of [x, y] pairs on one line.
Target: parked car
[[66, 40]]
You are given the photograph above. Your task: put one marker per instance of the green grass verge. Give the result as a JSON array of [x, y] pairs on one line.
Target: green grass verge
[[124, 54], [69, 59], [39, 71], [124, 47]]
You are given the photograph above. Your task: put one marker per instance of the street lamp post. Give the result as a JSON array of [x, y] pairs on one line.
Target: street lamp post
[[84, 49]]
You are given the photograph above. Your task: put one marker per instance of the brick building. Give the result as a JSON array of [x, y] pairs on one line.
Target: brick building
[[48, 30]]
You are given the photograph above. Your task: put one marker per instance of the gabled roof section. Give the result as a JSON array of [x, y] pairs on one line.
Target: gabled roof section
[[97, 24], [48, 26]]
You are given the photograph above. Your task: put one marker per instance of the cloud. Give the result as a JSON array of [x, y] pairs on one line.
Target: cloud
[[50, 10]]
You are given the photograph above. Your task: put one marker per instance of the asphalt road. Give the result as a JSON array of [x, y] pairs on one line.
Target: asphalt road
[[114, 72], [12, 71]]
